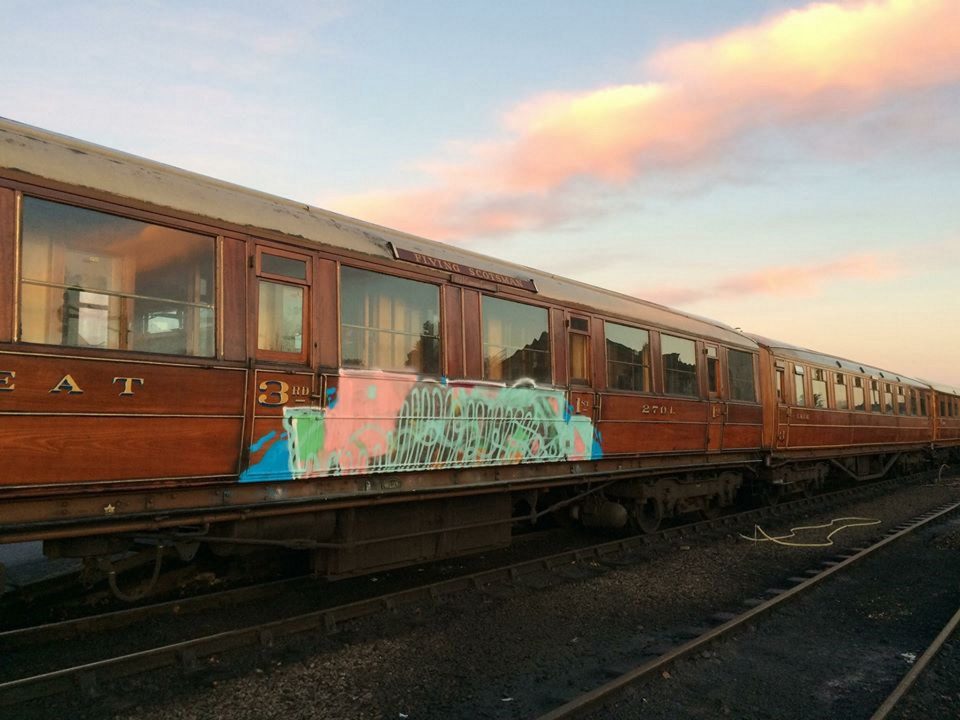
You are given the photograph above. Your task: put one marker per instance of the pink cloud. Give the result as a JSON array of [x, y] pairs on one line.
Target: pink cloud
[[784, 280], [820, 62]]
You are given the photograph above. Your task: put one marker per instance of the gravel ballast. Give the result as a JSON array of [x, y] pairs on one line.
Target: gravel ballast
[[500, 655]]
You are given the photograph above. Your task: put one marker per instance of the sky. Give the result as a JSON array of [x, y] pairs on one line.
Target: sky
[[788, 168]]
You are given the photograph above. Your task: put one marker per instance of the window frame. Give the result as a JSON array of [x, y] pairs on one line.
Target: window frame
[[649, 368], [858, 384], [212, 233], [819, 375], [572, 332], [377, 270], [800, 372], [840, 380], [301, 357], [729, 385], [550, 352], [698, 392]]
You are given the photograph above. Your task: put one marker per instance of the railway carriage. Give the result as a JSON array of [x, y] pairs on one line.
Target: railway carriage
[[828, 415], [183, 360], [946, 409]]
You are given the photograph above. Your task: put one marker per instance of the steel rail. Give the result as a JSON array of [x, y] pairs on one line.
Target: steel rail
[[594, 699], [917, 670], [89, 676]]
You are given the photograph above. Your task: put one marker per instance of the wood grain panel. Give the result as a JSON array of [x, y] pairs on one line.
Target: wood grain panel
[[651, 437], [275, 389], [328, 330], [473, 349], [8, 270], [452, 332], [73, 385], [650, 407], [599, 350], [234, 310], [90, 449], [558, 331], [742, 437]]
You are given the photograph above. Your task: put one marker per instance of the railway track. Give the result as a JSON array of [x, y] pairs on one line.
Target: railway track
[[615, 698], [890, 706], [91, 676]]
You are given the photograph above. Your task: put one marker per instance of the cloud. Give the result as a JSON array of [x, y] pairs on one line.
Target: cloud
[[783, 280], [823, 62]]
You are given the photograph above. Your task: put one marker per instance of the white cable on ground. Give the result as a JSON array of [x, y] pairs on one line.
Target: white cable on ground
[[781, 540]]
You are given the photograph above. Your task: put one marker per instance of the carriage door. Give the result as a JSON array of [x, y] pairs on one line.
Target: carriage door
[[284, 385], [783, 411], [716, 408], [582, 397]]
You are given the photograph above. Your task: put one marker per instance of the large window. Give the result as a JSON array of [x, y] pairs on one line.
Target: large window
[[389, 323], [628, 357], [679, 365], [284, 282], [858, 396], [887, 398], [280, 327], [516, 341], [740, 368], [840, 391], [91, 279], [798, 385], [818, 387]]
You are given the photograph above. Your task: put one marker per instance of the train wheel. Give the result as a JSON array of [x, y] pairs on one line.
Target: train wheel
[[712, 509], [648, 516], [771, 494]]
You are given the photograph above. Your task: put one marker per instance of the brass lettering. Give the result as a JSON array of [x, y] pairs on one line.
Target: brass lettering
[[6, 380], [128, 384], [281, 393], [68, 384]]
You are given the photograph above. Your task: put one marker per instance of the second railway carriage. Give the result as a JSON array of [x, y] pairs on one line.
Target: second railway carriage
[[184, 360], [826, 415], [946, 408]]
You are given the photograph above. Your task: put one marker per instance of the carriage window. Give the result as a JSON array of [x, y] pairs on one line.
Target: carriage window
[[901, 401], [818, 386], [887, 398], [874, 396], [798, 384], [280, 318], [389, 323], [858, 399], [679, 365], [273, 264], [628, 357], [579, 351], [914, 410], [283, 288], [516, 341], [943, 408], [840, 392], [923, 404], [713, 370], [740, 369], [91, 279]]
